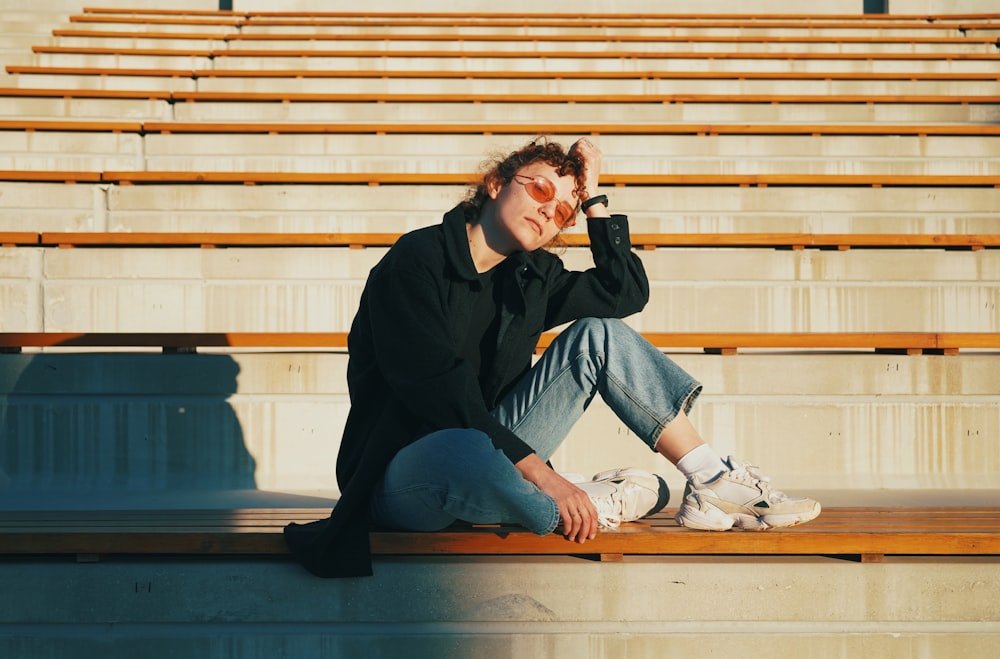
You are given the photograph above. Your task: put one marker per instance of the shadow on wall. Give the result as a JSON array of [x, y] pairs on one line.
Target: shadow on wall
[[120, 423]]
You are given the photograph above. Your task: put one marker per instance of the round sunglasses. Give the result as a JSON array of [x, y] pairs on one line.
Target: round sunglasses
[[543, 191]]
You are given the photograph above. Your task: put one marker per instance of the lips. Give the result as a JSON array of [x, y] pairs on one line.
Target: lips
[[536, 224]]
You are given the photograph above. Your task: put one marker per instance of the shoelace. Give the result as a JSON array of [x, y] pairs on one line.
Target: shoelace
[[609, 510], [749, 473]]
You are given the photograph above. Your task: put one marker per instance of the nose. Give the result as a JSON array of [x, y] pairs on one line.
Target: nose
[[548, 209]]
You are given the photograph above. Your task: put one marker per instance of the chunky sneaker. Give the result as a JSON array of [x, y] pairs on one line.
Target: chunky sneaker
[[742, 498], [625, 495]]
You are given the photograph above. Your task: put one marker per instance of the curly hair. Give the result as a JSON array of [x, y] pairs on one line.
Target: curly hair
[[499, 171]]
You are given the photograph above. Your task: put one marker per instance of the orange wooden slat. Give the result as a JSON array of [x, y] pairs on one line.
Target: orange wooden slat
[[127, 51], [835, 532], [697, 340], [873, 99], [183, 96], [419, 178], [551, 128], [50, 176], [532, 37], [517, 75], [15, 238], [68, 125], [217, 239]]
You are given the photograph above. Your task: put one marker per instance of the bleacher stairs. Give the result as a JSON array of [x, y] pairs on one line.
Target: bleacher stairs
[[191, 200]]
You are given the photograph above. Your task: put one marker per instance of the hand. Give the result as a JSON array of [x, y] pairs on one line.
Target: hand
[[576, 510], [590, 155]]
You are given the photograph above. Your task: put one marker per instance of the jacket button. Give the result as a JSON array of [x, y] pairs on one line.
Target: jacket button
[[615, 226], [618, 241]]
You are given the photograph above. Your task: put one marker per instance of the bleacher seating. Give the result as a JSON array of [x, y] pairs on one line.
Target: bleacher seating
[[815, 198]]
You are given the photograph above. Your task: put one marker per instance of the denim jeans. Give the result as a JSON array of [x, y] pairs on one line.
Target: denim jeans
[[457, 474]]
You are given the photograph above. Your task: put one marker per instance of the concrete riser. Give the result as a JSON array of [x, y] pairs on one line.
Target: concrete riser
[[100, 423], [538, 607], [318, 289], [306, 208], [641, 154], [697, 113]]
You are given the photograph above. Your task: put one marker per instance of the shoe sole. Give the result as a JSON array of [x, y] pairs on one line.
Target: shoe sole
[[692, 518]]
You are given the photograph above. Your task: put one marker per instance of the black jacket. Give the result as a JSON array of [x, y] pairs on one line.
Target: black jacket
[[406, 378]]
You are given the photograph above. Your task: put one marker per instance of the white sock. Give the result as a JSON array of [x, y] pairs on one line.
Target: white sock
[[699, 460]]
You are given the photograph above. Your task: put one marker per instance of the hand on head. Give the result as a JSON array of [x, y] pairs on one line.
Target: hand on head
[[590, 156]]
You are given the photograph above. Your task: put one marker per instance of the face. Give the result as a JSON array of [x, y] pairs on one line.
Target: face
[[535, 206]]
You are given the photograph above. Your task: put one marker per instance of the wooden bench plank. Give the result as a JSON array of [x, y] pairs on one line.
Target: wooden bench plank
[[790, 16], [320, 37], [875, 99], [531, 20], [838, 531], [490, 128], [45, 92], [421, 178], [131, 51], [658, 99], [722, 342], [69, 126], [431, 178], [50, 176], [19, 238], [984, 76], [647, 240]]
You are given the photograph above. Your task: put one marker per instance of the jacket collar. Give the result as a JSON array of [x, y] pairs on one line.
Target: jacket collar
[[456, 245]]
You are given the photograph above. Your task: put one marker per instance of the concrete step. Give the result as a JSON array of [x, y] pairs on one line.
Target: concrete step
[[527, 61], [664, 154], [146, 423], [467, 112], [548, 86], [85, 109], [316, 289], [56, 81], [485, 86], [583, 112], [634, 27], [305, 208], [492, 608]]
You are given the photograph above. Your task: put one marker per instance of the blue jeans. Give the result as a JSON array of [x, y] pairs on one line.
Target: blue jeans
[[431, 483]]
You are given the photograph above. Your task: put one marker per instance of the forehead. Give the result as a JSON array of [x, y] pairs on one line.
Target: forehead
[[565, 185]]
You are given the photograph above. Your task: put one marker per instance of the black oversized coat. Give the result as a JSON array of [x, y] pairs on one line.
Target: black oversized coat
[[405, 375]]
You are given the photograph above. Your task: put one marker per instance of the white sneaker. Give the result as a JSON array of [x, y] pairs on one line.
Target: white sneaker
[[743, 498], [625, 495]]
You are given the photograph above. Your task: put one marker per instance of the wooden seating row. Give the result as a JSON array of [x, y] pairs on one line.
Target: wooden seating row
[[421, 178], [794, 17], [490, 128], [195, 74], [726, 343], [764, 40], [658, 99], [219, 53], [869, 534], [458, 20], [795, 241]]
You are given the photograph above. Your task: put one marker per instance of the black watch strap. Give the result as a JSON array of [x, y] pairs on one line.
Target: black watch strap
[[598, 199]]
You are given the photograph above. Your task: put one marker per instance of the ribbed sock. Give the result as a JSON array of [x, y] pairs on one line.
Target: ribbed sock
[[702, 459]]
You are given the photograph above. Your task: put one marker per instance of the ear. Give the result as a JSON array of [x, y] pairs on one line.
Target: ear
[[493, 187]]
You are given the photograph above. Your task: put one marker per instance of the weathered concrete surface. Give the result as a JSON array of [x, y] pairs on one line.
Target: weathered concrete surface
[[543, 607]]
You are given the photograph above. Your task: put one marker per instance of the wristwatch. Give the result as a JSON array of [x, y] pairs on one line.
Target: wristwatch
[[598, 199]]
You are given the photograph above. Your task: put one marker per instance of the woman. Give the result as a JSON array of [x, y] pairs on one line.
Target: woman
[[450, 421]]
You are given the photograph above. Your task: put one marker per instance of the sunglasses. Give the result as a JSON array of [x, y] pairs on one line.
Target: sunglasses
[[543, 191]]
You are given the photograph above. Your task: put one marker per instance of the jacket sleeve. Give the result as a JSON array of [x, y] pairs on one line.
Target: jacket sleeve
[[416, 353], [615, 287]]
